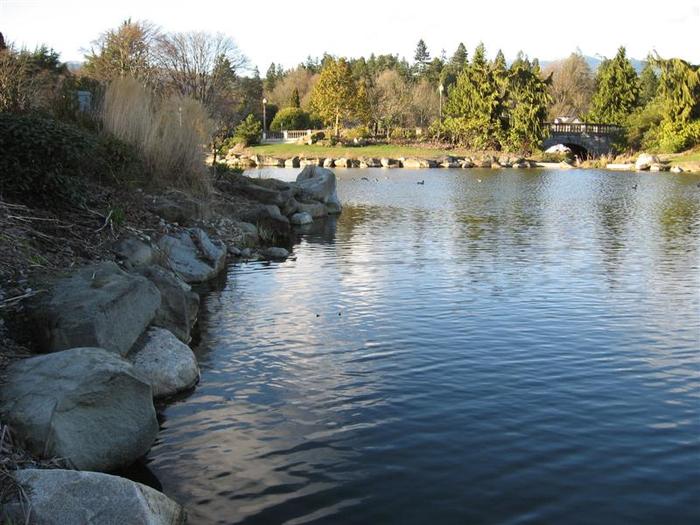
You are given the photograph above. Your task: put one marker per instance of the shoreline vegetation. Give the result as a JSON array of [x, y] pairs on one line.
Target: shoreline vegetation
[[111, 219]]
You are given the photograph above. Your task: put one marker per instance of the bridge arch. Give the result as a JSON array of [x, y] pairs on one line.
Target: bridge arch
[[584, 139]]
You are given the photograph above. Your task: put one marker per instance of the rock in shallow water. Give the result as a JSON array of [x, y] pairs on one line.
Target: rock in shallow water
[[276, 253], [99, 305], [86, 405], [166, 362], [301, 218], [58, 497]]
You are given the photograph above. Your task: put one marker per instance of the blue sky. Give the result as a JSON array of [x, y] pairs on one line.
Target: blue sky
[[287, 31]]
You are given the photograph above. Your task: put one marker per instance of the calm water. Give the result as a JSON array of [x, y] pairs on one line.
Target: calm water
[[490, 347]]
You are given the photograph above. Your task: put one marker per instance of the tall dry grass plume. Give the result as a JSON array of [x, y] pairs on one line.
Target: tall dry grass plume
[[170, 133]]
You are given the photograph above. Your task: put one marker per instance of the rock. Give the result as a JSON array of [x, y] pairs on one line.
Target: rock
[[314, 209], [521, 165], [676, 169], [57, 497], [450, 162], [310, 162], [415, 163], [505, 162], [292, 163], [496, 165], [133, 252], [192, 255], [484, 162], [246, 253], [98, 305], [644, 161], [266, 195], [176, 206], [275, 253], [328, 163], [389, 163], [366, 162], [467, 163], [343, 163], [659, 167], [290, 207], [333, 206], [179, 304], [87, 405], [301, 218], [269, 217], [166, 362], [234, 252], [317, 184]]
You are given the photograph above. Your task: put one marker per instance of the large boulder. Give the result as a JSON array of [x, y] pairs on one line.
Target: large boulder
[[389, 163], [414, 163], [86, 405], [166, 362], [179, 304], [192, 255], [328, 163], [268, 217], [369, 162], [292, 163], [315, 209], [98, 305], [319, 184], [645, 161], [57, 497]]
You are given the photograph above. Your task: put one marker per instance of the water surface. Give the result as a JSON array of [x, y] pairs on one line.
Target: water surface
[[489, 347]]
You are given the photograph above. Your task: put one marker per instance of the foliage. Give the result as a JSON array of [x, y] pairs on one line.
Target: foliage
[[617, 91], [648, 84], [527, 99], [249, 131], [48, 160], [336, 97], [290, 118], [282, 91], [295, 102], [421, 57], [393, 96]]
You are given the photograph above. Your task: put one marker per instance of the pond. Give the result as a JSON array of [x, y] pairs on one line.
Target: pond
[[487, 347]]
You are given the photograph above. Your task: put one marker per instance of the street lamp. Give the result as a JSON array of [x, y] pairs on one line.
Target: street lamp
[[441, 88], [264, 118]]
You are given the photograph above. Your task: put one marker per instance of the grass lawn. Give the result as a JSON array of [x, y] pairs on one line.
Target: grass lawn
[[378, 151], [688, 160]]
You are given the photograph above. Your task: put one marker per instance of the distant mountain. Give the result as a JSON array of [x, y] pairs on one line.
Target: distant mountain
[[594, 62]]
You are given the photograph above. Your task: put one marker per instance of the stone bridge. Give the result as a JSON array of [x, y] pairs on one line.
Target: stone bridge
[[584, 139]]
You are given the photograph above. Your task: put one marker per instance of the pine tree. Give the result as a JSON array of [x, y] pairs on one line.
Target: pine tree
[[459, 59], [422, 57], [271, 78], [295, 102], [617, 91], [526, 106], [648, 84]]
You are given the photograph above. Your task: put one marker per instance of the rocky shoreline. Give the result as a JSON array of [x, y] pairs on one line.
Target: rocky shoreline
[[644, 162], [113, 335]]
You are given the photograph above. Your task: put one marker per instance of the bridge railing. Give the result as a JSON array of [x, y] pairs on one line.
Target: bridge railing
[[584, 127]]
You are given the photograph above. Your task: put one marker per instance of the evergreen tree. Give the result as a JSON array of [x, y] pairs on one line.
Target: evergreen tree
[[3, 46], [648, 84], [295, 102], [271, 78], [459, 59], [617, 91], [422, 57], [526, 108]]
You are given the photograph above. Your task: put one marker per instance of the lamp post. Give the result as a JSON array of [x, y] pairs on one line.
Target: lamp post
[[264, 118], [441, 88]]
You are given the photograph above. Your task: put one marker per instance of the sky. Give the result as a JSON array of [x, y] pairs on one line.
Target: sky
[[288, 31]]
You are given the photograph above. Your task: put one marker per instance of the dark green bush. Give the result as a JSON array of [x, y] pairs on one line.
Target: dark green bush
[[47, 160], [249, 131]]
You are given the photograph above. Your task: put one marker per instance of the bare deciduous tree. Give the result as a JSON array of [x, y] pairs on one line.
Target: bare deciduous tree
[[189, 62], [572, 86], [300, 79]]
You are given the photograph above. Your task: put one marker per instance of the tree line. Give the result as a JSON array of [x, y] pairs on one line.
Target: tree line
[[472, 101]]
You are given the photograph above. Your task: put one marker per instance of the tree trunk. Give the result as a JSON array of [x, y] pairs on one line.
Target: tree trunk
[[337, 120]]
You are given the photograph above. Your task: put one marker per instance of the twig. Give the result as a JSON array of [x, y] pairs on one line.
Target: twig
[[17, 298]]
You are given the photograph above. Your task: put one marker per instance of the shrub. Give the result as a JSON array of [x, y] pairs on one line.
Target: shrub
[[290, 118], [248, 132], [47, 160], [678, 137], [358, 133], [169, 134]]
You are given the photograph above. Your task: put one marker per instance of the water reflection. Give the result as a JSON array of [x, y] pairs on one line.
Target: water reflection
[[492, 346]]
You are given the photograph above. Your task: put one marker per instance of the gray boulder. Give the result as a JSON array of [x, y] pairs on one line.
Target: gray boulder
[[98, 305], [328, 163], [192, 255], [269, 217], [467, 163], [301, 218], [133, 252], [292, 163], [57, 497], [319, 184], [166, 362], [389, 163], [645, 161], [179, 304], [315, 209], [177, 206], [86, 405]]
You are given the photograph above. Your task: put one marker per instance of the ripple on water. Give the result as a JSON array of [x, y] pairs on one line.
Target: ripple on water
[[512, 347]]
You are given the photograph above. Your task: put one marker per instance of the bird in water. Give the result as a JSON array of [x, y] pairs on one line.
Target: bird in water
[[634, 187], [478, 180], [421, 182], [365, 178]]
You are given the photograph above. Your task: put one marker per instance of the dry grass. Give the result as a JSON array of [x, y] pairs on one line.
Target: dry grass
[[170, 133]]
